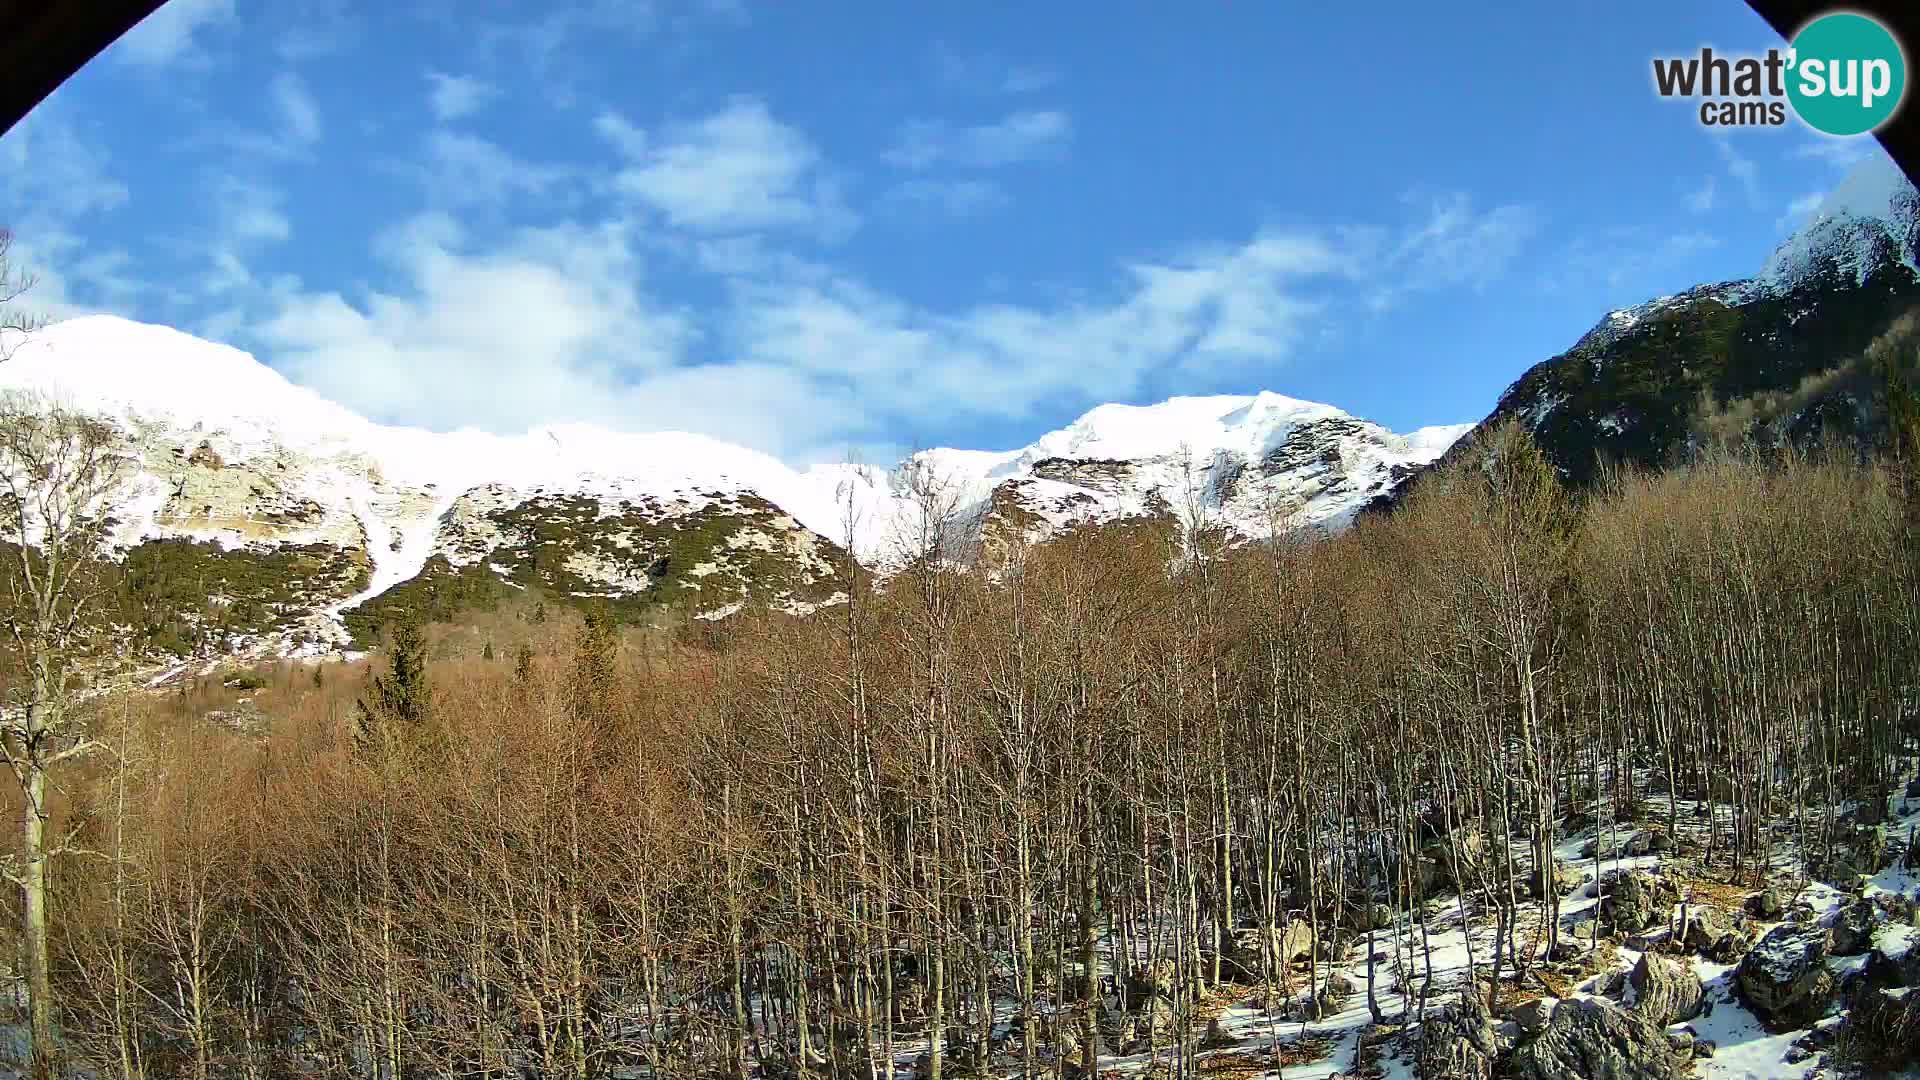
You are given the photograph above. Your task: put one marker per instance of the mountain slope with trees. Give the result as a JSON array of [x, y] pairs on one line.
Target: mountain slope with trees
[[1648, 384]]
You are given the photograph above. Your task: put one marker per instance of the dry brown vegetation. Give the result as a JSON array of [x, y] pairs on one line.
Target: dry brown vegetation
[[713, 851]]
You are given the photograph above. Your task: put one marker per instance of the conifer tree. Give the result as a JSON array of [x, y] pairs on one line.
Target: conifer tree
[[593, 671], [396, 703]]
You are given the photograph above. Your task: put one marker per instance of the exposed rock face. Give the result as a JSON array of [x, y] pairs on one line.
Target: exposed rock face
[[1664, 991], [1458, 1040], [1852, 926], [1565, 880], [1635, 900], [229, 452], [1710, 935], [205, 456], [1647, 842], [1454, 863], [1240, 458], [1596, 1040], [1373, 917], [1863, 850], [1533, 1015], [1784, 977], [1324, 1002], [1893, 962], [1293, 943], [1767, 903]]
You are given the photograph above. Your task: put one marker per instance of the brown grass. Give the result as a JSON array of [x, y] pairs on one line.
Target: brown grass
[[1247, 1063]]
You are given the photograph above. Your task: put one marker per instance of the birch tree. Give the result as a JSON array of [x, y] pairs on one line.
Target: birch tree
[[58, 471]]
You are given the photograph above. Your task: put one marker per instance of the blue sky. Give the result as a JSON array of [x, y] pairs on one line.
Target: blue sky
[[821, 227]]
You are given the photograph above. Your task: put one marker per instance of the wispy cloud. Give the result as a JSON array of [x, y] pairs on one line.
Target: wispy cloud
[[1454, 244], [1798, 209], [1742, 168], [1019, 136], [169, 35], [478, 320], [1630, 259], [454, 96], [315, 28], [436, 349], [53, 180], [981, 73], [1841, 154], [249, 211], [804, 358], [958, 198], [736, 169], [298, 111], [1703, 198], [457, 169]]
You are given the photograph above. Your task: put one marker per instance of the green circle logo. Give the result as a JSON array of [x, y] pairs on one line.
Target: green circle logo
[[1847, 74]]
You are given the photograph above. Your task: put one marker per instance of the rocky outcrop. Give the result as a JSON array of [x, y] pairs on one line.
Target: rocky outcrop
[[1635, 900], [1709, 933], [1330, 998], [1852, 927], [1293, 943], [1532, 1015], [1597, 1040], [1664, 991], [1457, 1040], [1767, 904], [1784, 977]]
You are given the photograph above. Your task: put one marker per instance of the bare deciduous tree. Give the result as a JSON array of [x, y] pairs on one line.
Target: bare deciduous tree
[[15, 323], [59, 472]]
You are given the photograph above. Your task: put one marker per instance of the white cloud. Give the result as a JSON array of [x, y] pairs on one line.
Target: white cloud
[[548, 326], [459, 169], [249, 212], [299, 113], [168, 35], [51, 172], [629, 140], [1841, 154], [1742, 169], [52, 180], [1702, 199], [803, 360], [988, 74], [1020, 136], [738, 169], [315, 28], [470, 323], [1457, 246], [948, 198], [454, 96], [1213, 311], [1798, 209], [1636, 259]]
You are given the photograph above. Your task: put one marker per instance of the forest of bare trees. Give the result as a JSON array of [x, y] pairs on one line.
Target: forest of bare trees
[[998, 818]]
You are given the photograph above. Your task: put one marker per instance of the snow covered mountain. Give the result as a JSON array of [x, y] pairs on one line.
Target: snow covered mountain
[[270, 519], [1631, 388]]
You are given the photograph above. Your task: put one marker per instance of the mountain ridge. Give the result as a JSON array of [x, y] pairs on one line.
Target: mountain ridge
[[234, 458], [1631, 389]]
